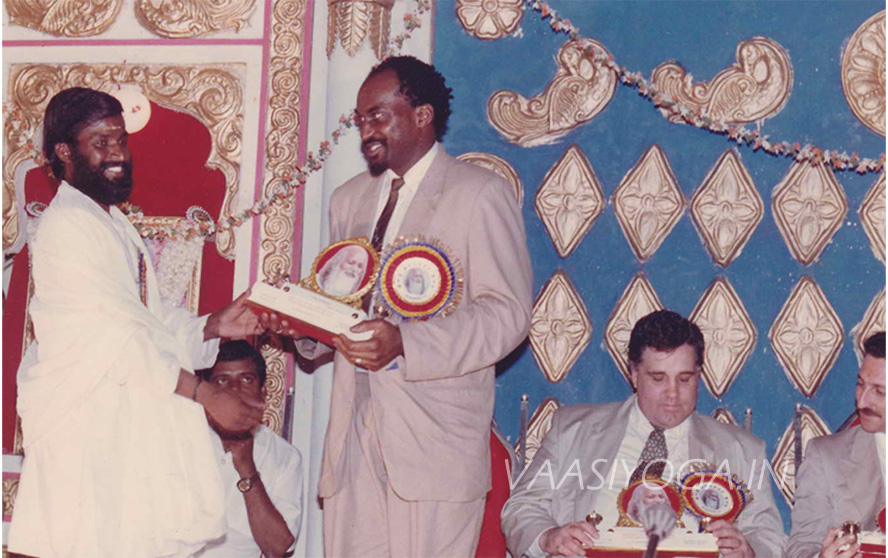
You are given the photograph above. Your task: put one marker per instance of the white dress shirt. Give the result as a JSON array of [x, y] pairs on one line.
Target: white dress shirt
[[880, 449], [280, 468]]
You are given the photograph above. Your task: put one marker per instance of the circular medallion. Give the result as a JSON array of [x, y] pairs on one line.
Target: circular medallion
[[712, 495], [863, 73], [344, 271], [419, 279]]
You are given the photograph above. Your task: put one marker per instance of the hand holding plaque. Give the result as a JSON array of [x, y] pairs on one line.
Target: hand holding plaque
[[327, 303]]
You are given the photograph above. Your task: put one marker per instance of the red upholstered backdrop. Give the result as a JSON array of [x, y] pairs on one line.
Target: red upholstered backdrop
[[169, 175]]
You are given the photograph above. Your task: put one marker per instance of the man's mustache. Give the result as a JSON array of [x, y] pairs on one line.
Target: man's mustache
[[869, 412], [127, 166], [366, 143]]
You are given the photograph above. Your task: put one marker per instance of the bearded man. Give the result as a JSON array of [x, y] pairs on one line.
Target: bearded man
[[118, 454]]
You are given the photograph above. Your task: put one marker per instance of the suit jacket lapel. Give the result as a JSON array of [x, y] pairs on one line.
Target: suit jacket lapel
[[364, 218], [701, 445], [422, 207], [862, 475], [605, 442]]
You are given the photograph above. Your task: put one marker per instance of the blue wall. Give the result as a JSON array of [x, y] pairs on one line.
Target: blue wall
[[702, 36]]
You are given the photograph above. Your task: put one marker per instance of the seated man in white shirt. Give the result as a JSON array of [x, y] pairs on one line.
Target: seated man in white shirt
[[261, 472], [842, 477], [592, 452]]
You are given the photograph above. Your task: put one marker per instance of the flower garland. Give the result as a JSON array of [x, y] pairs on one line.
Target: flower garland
[[739, 134]]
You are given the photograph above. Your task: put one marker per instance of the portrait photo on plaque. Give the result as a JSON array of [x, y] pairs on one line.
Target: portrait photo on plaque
[[642, 494], [345, 270]]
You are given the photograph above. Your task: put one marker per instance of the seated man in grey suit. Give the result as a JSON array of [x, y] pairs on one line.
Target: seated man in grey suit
[[843, 475], [592, 452]]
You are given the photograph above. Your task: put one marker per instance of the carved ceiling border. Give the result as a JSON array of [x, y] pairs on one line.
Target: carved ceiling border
[[281, 154], [212, 93]]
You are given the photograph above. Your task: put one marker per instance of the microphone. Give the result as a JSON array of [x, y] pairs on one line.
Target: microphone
[[658, 520]]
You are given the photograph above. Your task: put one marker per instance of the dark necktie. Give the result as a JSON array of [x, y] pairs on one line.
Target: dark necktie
[[379, 231], [654, 453], [386, 215]]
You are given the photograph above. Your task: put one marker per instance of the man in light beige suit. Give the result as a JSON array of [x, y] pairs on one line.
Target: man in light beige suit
[[406, 461], [843, 475], [591, 452]]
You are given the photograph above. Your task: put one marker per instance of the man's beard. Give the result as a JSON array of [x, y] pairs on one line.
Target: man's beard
[[339, 283], [94, 184]]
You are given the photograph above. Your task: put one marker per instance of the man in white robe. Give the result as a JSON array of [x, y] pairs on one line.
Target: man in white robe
[[118, 456]]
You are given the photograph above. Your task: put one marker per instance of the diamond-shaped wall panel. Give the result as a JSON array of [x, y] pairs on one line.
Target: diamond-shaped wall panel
[[648, 202], [727, 208], [538, 425], [783, 462], [501, 167], [560, 328], [872, 216], [569, 200], [724, 416], [729, 333], [806, 336], [873, 321], [808, 206], [637, 301]]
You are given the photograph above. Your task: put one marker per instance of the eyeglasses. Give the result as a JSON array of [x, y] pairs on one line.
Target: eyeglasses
[[375, 118]]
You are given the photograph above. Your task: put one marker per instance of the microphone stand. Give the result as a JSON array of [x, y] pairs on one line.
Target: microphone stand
[[653, 541]]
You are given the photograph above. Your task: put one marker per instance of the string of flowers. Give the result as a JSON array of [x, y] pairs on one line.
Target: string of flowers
[[811, 154]]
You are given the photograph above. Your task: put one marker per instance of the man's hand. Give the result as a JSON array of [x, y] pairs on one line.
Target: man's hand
[[227, 412], [834, 540], [270, 321], [234, 321], [376, 352], [731, 542], [571, 539], [242, 455]]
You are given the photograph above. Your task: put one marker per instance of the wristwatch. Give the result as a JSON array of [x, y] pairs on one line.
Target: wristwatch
[[246, 484]]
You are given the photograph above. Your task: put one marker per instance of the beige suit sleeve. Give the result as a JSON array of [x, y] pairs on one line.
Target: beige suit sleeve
[[528, 511], [494, 316], [811, 510]]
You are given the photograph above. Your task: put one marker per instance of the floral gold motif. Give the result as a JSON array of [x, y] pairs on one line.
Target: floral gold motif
[[783, 463], [182, 19], [863, 73], [281, 155], [499, 166], [10, 490], [211, 93], [538, 425], [579, 91], [569, 200], [64, 18], [873, 321], [729, 334], [806, 336], [808, 206], [560, 328], [489, 19], [872, 216], [754, 88], [636, 302], [648, 202], [354, 20], [727, 208]]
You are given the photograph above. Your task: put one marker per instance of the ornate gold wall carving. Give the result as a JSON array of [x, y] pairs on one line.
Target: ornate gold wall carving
[[873, 320], [808, 206], [64, 18], [212, 93], [648, 202], [729, 333], [863, 73], [637, 301], [755, 87], [499, 166], [806, 336], [727, 208], [353, 21], [182, 19], [281, 151], [783, 462], [872, 216], [560, 328], [578, 92], [489, 19], [538, 425], [10, 489], [569, 200]]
